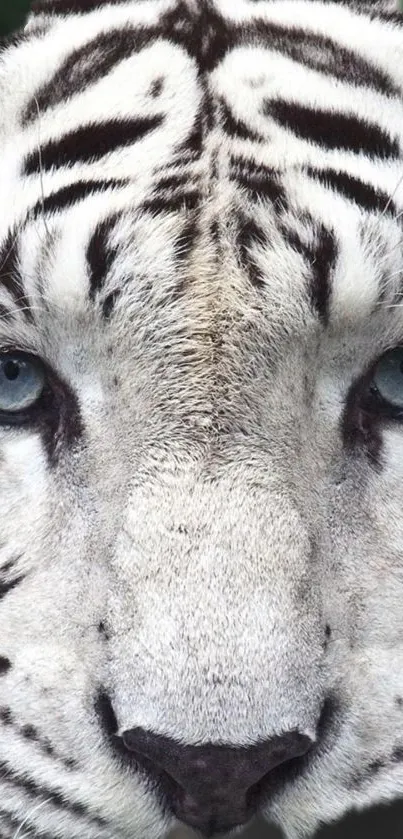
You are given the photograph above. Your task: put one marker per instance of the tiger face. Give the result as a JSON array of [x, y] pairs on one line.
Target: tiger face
[[201, 398]]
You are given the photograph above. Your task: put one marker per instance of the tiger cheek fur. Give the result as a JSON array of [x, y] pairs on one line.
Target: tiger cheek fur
[[201, 478]]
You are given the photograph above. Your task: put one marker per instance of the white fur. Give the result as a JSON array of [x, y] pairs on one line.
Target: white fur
[[215, 557]]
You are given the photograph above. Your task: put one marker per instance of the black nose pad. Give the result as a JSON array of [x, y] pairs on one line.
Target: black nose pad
[[213, 788]]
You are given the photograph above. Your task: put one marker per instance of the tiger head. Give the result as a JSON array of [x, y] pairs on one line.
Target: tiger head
[[201, 396]]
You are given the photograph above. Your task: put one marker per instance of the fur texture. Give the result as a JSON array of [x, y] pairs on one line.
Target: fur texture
[[201, 237]]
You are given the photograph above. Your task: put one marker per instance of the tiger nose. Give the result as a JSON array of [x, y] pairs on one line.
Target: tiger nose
[[213, 788]]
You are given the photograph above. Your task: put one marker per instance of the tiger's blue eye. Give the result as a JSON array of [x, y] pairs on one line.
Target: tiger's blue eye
[[22, 380], [388, 377]]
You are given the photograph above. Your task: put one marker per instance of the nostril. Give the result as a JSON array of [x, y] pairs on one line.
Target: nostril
[[213, 787]]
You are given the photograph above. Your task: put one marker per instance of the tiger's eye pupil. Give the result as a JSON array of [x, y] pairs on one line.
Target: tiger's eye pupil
[[11, 370]]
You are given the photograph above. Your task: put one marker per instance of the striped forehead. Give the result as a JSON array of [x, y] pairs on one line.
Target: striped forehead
[[135, 257], [197, 136], [83, 258]]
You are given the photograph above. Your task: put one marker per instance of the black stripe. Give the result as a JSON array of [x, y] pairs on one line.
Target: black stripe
[[218, 37], [388, 17], [173, 192], [108, 304], [15, 39], [106, 716], [185, 240], [69, 195], [5, 665], [320, 257], [235, 127], [249, 236], [85, 145], [171, 203], [156, 87], [332, 130], [321, 54], [259, 181], [183, 27], [58, 801], [9, 564], [88, 65], [322, 267], [6, 587], [353, 189], [31, 733], [5, 715], [397, 754], [190, 149], [174, 181], [71, 7], [101, 255], [10, 276]]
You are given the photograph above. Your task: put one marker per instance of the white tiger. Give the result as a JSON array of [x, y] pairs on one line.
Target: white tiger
[[201, 475]]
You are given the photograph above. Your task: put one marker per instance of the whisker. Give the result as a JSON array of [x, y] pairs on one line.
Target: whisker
[[391, 196], [390, 252], [17, 834], [19, 309], [390, 278], [390, 305]]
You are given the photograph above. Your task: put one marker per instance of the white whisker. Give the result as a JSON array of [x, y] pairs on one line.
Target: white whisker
[[387, 256], [390, 305], [18, 310], [17, 834], [391, 196]]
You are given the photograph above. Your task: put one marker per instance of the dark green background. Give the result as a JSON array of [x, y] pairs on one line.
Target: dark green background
[[382, 823], [12, 13]]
